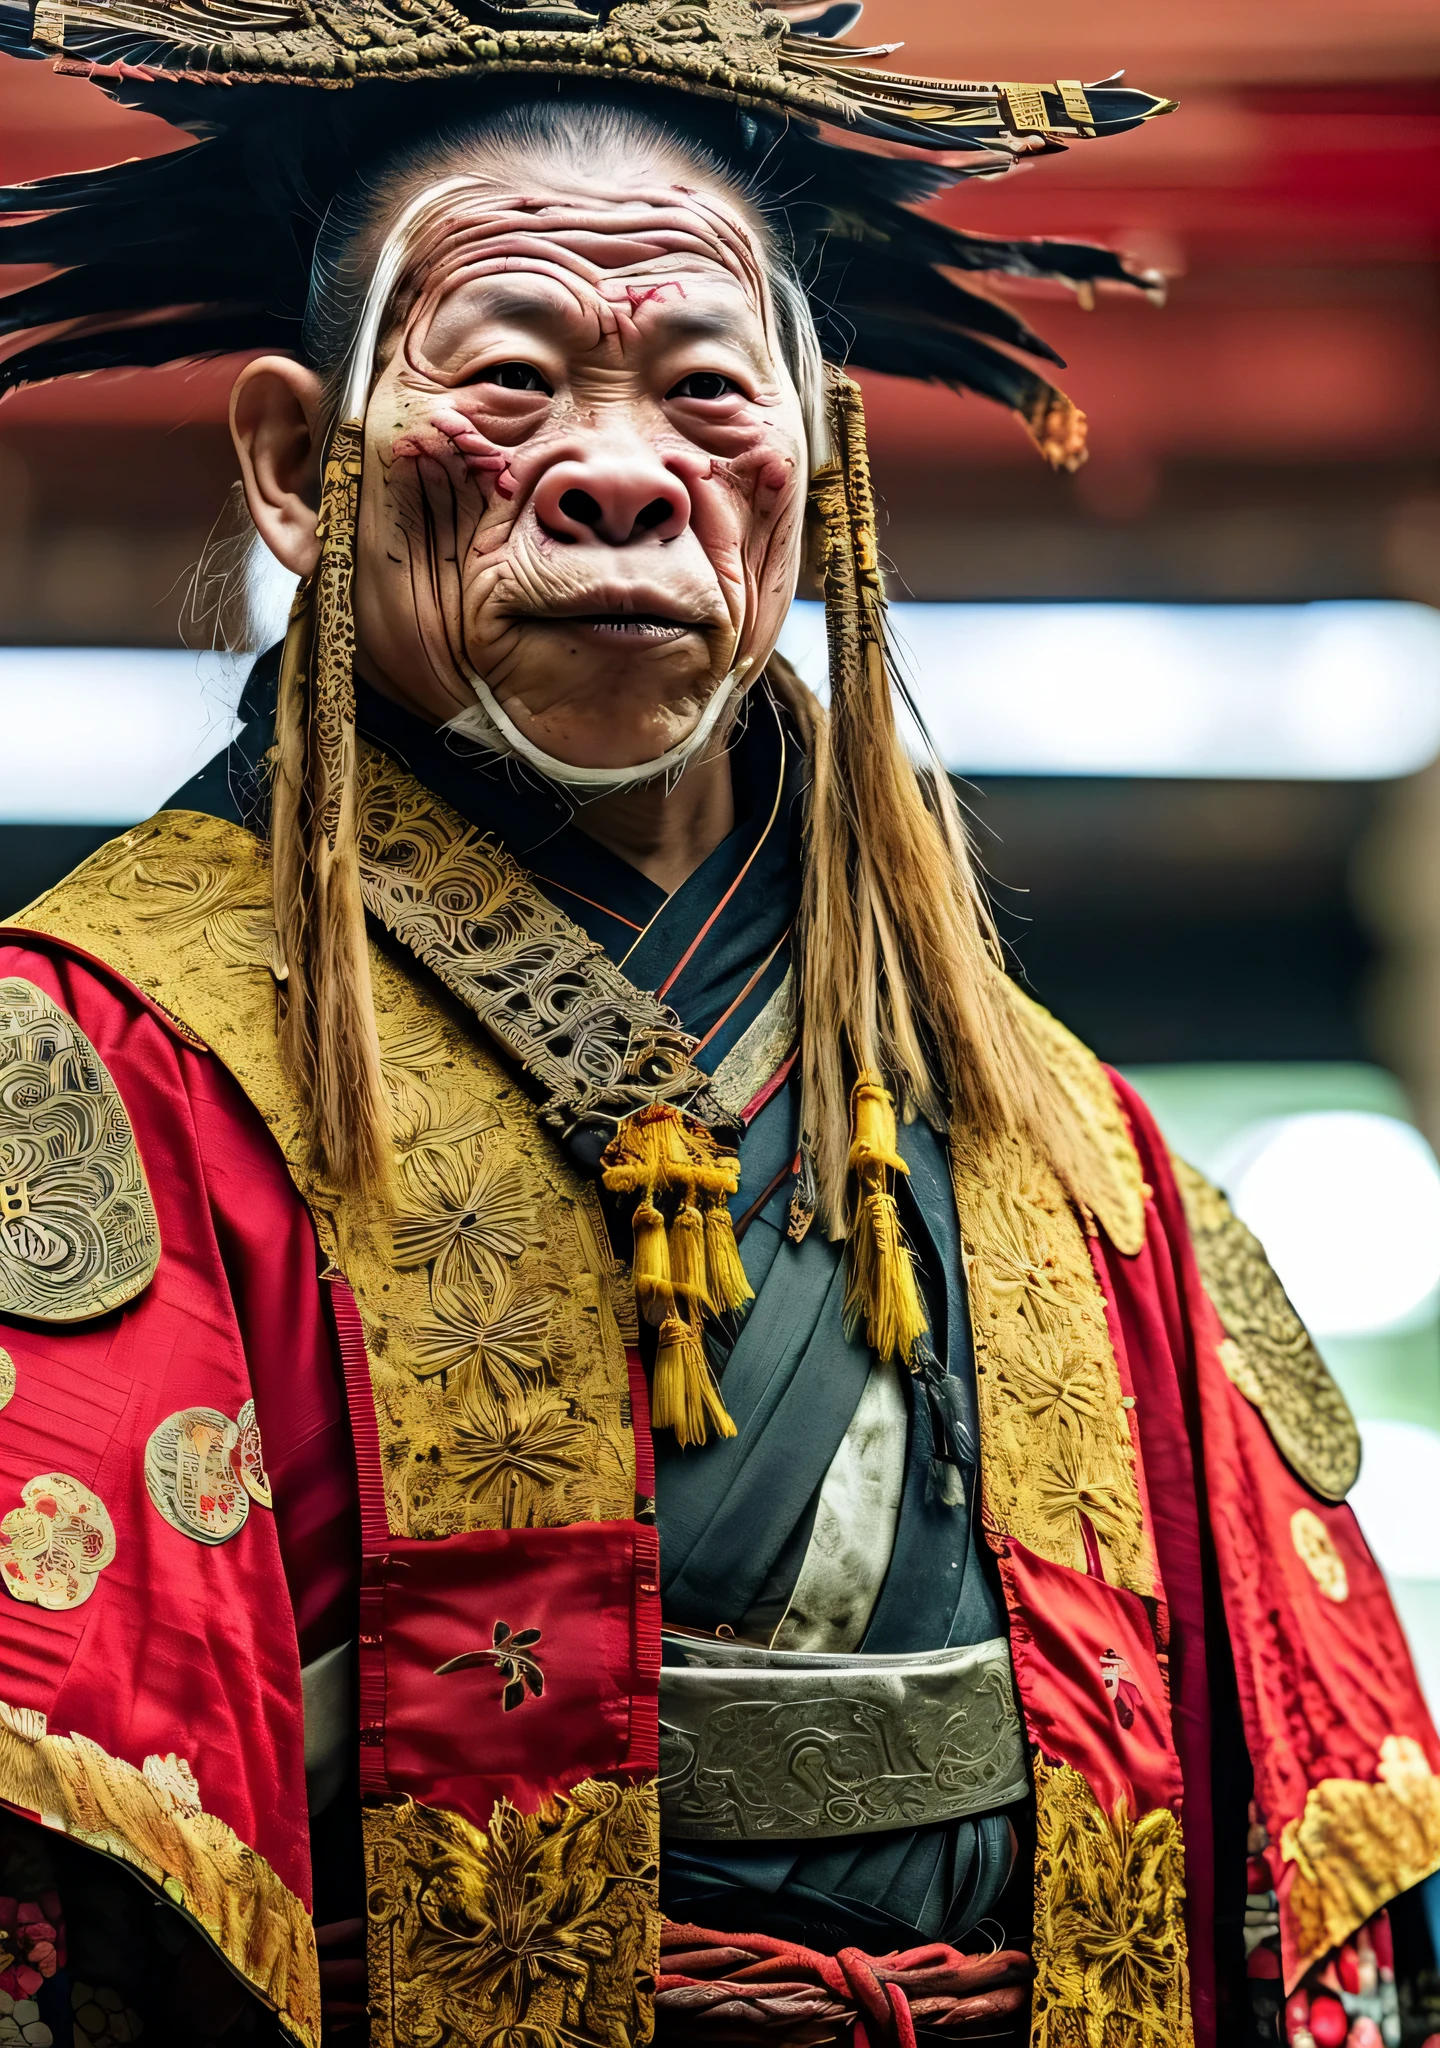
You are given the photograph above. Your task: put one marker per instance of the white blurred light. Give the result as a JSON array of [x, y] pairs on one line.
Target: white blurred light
[[1347, 1205], [103, 735], [1395, 1497], [1344, 691]]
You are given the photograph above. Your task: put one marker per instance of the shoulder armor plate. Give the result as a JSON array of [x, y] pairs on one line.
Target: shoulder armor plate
[[78, 1234], [1269, 1353]]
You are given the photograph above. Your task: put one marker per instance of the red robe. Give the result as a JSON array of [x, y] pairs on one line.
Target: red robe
[[202, 1648]]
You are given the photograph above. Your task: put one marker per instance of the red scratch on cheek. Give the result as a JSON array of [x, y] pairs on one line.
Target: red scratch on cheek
[[451, 431]]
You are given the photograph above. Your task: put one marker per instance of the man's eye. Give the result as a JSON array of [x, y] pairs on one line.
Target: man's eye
[[515, 377], [704, 384]]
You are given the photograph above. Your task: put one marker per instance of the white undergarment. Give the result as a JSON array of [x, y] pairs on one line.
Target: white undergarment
[[848, 1554]]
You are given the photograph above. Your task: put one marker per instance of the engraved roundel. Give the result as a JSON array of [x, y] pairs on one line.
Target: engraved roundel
[[192, 1477], [7, 1378], [1316, 1551], [251, 1458], [55, 1545]]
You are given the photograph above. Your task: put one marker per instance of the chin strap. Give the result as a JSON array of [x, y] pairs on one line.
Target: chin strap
[[486, 723]]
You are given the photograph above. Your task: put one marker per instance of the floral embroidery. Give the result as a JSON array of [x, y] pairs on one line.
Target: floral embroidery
[[541, 1928], [1110, 1950], [513, 1655], [510, 1446]]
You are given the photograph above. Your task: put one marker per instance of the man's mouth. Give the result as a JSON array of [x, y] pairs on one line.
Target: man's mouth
[[650, 627]]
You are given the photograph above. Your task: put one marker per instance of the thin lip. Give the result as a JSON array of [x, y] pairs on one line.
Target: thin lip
[[647, 606], [611, 622]]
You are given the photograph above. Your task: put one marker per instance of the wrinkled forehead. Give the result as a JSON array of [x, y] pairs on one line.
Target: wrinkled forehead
[[634, 248]]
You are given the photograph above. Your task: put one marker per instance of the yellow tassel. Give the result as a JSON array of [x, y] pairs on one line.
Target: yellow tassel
[[881, 1286], [660, 1154], [686, 1398], [725, 1276], [654, 1294], [687, 1256]]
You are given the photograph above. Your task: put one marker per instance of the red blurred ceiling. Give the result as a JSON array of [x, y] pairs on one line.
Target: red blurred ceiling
[[1294, 199]]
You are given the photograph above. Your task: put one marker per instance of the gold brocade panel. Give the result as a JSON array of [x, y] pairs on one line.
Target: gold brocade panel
[[1055, 1433], [1110, 1956], [498, 1368], [542, 1928]]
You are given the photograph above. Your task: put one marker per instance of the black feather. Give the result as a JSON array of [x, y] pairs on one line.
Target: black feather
[[209, 249]]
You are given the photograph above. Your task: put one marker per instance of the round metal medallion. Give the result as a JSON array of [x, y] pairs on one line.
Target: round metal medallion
[[55, 1545], [192, 1477], [253, 1476]]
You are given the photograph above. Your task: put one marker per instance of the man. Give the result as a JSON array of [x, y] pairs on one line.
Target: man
[[560, 1308]]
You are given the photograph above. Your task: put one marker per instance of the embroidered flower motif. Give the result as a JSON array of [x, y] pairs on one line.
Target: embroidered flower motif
[[55, 1545], [513, 1656], [473, 1217], [1070, 1488], [1056, 1389], [511, 1447], [1112, 1940], [499, 1335]]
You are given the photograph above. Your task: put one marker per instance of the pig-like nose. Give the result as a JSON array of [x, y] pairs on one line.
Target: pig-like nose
[[616, 495]]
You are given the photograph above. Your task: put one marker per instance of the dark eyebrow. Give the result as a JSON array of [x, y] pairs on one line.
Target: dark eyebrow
[[694, 323]]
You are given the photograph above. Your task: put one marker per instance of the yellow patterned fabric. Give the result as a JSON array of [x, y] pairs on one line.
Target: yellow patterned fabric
[[1110, 1958], [153, 1819], [1055, 1438], [1357, 1846], [541, 1928], [497, 1259], [1120, 1210]]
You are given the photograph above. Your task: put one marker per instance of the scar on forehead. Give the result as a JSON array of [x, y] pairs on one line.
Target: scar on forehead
[[642, 294]]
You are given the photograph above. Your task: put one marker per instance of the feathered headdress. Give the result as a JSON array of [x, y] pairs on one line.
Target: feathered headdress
[[210, 249]]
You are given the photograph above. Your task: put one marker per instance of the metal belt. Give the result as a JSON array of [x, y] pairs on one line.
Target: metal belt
[[760, 1745]]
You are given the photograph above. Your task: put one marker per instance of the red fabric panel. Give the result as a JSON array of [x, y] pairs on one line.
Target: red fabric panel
[[1321, 1683], [272, 1260], [181, 1646], [1151, 1333], [1065, 1625], [592, 1592]]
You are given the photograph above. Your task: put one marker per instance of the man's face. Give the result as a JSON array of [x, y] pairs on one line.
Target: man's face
[[585, 467]]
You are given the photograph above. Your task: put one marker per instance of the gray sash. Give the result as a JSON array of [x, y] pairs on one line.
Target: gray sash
[[785, 1745]]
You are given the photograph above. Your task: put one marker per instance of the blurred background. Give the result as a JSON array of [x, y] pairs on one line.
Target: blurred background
[[1193, 692]]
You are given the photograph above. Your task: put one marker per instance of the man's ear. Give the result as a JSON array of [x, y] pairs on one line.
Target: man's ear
[[275, 422]]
